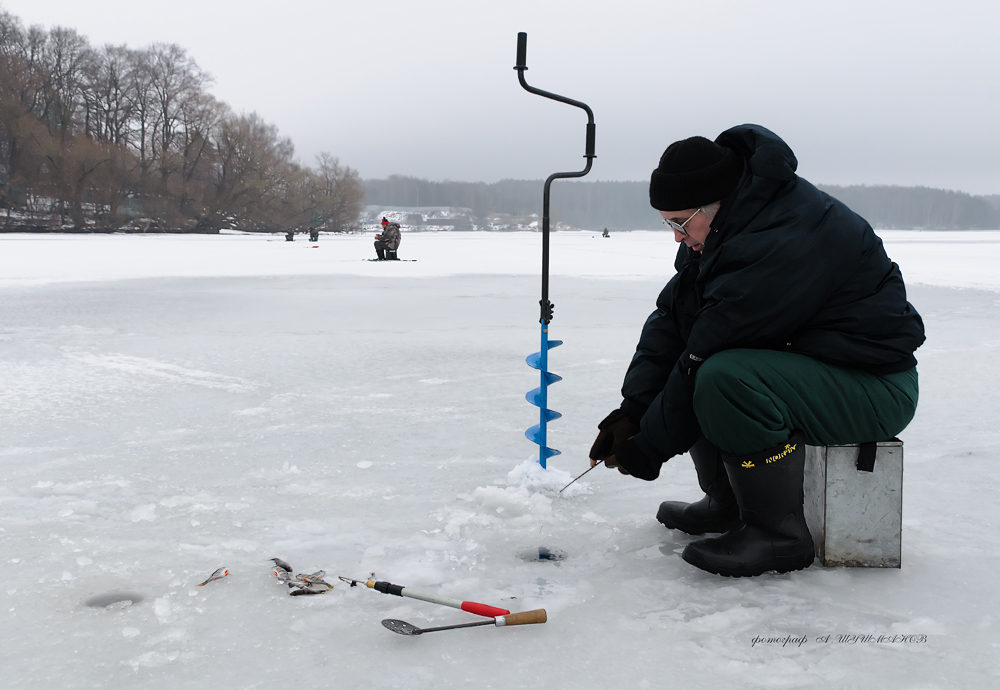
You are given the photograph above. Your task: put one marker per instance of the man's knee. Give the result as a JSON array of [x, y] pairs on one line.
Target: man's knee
[[718, 378], [734, 407]]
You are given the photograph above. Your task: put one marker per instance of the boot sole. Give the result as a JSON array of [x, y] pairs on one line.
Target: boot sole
[[790, 566]]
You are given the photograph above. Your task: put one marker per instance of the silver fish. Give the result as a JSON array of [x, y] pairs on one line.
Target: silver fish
[[217, 575]]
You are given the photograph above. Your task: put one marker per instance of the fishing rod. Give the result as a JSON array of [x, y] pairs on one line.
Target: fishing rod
[[399, 591], [580, 475], [523, 618], [540, 360]]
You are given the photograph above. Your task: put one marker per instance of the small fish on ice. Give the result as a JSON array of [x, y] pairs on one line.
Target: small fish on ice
[[217, 575]]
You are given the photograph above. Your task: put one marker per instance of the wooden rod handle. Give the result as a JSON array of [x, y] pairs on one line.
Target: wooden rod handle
[[525, 617]]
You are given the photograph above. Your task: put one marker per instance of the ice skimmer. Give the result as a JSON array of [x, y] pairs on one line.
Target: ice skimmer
[[523, 618]]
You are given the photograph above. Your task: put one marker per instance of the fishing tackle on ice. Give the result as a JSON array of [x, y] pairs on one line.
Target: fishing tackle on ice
[[523, 618], [399, 591], [579, 475], [540, 360]]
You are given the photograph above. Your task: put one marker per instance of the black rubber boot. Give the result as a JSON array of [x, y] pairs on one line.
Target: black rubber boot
[[718, 510], [774, 536]]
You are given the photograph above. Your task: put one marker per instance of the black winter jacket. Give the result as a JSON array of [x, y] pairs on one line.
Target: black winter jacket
[[785, 267]]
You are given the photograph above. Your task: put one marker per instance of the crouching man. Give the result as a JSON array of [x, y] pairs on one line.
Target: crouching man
[[786, 324]]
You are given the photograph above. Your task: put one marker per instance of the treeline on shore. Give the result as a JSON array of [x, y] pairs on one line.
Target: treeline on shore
[[625, 205], [905, 208], [111, 137]]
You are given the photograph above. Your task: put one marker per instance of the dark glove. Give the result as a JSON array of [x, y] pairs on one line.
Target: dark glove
[[614, 430], [630, 459]]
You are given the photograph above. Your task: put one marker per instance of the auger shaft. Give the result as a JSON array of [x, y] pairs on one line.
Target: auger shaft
[[540, 361]]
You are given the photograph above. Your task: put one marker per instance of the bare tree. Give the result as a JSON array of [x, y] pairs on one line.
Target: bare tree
[[145, 113], [176, 79], [67, 57], [337, 194], [84, 130], [200, 119], [251, 160], [108, 97]]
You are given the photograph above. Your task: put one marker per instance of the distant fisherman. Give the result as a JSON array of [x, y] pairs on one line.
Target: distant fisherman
[[785, 324], [387, 241]]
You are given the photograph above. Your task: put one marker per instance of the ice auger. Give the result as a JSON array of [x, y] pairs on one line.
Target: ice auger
[[540, 360]]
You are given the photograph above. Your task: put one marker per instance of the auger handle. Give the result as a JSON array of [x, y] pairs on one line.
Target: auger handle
[[521, 66], [522, 618]]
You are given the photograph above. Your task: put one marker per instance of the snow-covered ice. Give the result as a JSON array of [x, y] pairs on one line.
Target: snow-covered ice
[[175, 404]]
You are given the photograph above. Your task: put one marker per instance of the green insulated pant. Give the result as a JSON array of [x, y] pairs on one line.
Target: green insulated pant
[[749, 400]]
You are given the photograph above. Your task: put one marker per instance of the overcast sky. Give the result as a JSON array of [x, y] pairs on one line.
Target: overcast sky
[[864, 92]]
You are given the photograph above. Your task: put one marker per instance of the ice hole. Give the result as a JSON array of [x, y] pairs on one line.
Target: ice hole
[[114, 600], [542, 553]]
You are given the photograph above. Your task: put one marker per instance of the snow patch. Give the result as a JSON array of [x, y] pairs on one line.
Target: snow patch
[[152, 659], [144, 512], [163, 610], [513, 502], [530, 474], [162, 370], [241, 545]]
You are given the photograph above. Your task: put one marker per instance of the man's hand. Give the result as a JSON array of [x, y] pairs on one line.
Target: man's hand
[[611, 462], [629, 459], [615, 429]]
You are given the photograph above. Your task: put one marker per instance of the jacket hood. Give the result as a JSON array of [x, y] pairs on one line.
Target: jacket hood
[[770, 168], [768, 155]]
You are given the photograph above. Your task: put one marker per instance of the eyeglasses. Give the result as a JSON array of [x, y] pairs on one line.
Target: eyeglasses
[[679, 227]]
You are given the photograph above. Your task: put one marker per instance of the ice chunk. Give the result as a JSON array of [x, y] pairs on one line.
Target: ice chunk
[[530, 474], [144, 512]]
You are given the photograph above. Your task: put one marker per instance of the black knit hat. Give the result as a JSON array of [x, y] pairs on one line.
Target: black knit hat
[[692, 173]]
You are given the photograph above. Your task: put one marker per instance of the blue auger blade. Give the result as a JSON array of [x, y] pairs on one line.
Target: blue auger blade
[[547, 378], [539, 396], [534, 434], [534, 358], [547, 414]]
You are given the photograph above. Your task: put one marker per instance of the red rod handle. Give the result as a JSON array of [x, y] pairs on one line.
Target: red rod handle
[[483, 609]]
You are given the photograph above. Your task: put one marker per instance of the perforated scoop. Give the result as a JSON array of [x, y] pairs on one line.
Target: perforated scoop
[[523, 618], [401, 627]]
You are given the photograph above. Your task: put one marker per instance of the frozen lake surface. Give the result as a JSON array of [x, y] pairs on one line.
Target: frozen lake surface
[[173, 404]]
